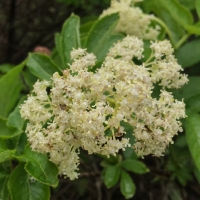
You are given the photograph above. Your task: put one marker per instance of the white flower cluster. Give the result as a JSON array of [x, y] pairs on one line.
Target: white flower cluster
[[132, 19], [84, 109], [165, 67]]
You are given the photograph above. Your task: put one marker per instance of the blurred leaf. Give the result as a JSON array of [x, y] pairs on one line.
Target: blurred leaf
[[81, 185], [58, 43], [40, 167], [189, 53], [100, 37], [21, 187], [29, 79], [147, 50], [193, 29], [197, 174], [192, 127], [20, 145], [112, 160], [148, 6], [10, 85], [197, 6], [4, 171], [88, 23], [134, 166], [189, 89], [181, 156], [6, 155], [8, 131], [15, 119], [183, 176], [68, 39], [55, 56], [193, 103], [104, 163], [111, 177], [176, 31], [5, 68], [4, 193], [127, 185], [129, 151], [178, 12], [189, 4], [113, 39], [129, 131], [3, 145], [174, 194], [84, 29], [41, 66], [179, 163], [181, 141]]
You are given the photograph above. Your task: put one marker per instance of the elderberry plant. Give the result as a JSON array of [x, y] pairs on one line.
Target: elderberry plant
[[113, 87], [82, 105]]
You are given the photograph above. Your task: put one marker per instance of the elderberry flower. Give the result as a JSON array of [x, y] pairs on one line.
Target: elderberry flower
[[132, 19], [85, 109], [165, 67]]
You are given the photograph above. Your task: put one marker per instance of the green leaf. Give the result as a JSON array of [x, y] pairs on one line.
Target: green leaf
[[134, 166], [58, 43], [6, 155], [112, 160], [175, 30], [41, 168], [3, 174], [189, 53], [192, 127], [29, 79], [41, 66], [197, 6], [85, 27], [3, 145], [55, 56], [129, 131], [20, 145], [22, 187], [4, 193], [193, 103], [100, 38], [197, 174], [84, 30], [15, 119], [183, 176], [127, 185], [174, 193], [10, 85], [113, 39], [189, 4], [5, 68], [69, 39], [178, 12], [111, 177], [129, 151], [193, 29], [8, 131], [188, 90]]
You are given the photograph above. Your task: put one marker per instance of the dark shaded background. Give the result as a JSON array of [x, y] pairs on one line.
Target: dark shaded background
[[25, 24]]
